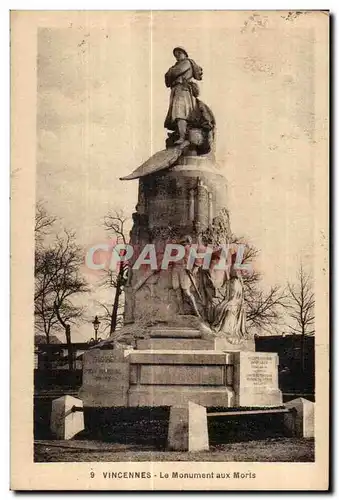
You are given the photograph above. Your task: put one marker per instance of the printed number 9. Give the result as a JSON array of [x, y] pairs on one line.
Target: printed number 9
[[92, 474]]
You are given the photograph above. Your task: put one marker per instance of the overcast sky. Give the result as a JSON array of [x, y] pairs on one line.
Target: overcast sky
[[102, 103]]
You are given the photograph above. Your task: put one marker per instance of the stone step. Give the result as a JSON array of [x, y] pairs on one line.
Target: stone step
[[176, 357], [174, 375], [189, 343], [154, 395], [175, 343], [182, 333]]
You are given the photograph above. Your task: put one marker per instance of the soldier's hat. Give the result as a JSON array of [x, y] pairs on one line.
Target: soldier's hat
[[181, 49]]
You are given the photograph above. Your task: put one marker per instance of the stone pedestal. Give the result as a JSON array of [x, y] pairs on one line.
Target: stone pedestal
[[66, 423], [188, 429], [105, 378], [173, 203], [175, 377], [161, 373], [301, 422], [256, 379]]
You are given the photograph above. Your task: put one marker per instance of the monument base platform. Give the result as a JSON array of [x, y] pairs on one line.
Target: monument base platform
[[206, 373]]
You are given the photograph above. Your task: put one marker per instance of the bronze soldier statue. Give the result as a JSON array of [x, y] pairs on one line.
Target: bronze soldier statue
[[185, 109]]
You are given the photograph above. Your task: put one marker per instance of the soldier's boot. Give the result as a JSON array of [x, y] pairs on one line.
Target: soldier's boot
[[182, 128]]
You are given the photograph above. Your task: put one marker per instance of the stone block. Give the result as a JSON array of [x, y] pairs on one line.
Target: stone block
[[222, 344], [188, 430], [197, 427], [105, 378], [258, 397], [177, 439], [65, 423], [162, 395], [256, 379], [173, 333], [178, 375], [184, 344], [163, 357], [301, 422]]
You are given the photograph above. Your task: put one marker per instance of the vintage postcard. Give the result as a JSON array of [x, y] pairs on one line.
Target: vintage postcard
[[170, 308]]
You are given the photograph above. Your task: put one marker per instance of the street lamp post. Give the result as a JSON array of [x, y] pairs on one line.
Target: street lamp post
[[96, 324]]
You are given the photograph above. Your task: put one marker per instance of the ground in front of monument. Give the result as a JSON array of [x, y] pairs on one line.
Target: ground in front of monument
[[257, 438], [266, 450]]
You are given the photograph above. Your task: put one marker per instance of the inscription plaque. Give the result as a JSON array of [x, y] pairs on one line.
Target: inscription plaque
[[256, 379], [260, 370], [105, 378]]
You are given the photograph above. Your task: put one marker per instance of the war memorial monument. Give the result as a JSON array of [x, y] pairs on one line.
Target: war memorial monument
[[184, 343]]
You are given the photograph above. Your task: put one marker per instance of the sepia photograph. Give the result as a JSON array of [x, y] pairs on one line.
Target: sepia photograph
[[175, 197]]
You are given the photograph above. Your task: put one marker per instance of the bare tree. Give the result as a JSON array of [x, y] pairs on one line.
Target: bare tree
[[43, 222], [115, 223], [58, 280], [264, 310], [106, 316], [301, 307]]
